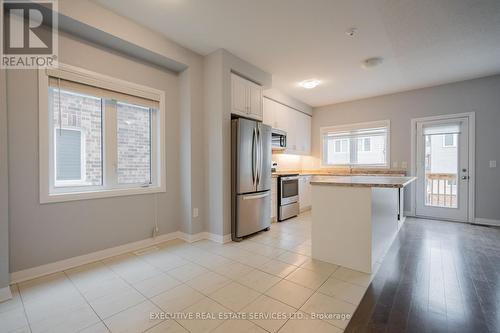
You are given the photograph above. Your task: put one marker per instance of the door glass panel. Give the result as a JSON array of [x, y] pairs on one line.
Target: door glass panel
[[441, 168]]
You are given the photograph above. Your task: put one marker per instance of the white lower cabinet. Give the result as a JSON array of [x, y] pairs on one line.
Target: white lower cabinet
[[305, 192], [274, 199]]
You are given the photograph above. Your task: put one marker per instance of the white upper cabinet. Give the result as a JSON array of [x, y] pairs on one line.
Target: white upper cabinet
[[256, 100], [246, 98], [303, 128], [269, 113], [296, 124]]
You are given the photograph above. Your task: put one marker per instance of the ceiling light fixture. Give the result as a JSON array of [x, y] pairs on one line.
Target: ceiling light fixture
[[372, 62], [309, 84]]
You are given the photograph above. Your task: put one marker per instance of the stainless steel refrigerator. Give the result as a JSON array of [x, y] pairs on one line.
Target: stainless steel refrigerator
[[250, 177]]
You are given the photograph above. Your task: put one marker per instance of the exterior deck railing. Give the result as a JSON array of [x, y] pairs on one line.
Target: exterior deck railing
[[441, 189]]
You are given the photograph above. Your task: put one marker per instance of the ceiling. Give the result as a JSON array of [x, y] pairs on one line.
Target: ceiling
[[423, 42]]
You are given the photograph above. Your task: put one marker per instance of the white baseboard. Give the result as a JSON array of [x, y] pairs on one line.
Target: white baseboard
[[492, 222], [305, 209], [205, 235], [5, 294], [58, 266], [408, 213]]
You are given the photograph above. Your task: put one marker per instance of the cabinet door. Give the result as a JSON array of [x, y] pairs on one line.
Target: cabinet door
[[255, 100], [304, 192], [303, 130], [239, 98], [268, 116], [281, 117], [308, 191], [274, 198], [293, 130]]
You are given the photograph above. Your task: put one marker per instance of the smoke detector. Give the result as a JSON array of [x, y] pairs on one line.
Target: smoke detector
[[372, 62], [351, 32]]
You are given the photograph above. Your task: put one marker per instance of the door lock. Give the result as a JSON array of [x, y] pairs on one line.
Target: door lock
[[465, 177]]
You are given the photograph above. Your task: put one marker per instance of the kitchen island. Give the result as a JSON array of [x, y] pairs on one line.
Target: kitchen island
[[356, 218]]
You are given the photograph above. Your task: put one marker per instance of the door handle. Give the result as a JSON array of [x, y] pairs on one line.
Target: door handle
[[254, 156], [257, 196], [465, 177], [259, 156]]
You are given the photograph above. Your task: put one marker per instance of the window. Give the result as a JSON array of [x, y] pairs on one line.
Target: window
[[364, 144], [356, 145], [134, 144], [99, 136], [341, 146], [449, 140], [69, 157]]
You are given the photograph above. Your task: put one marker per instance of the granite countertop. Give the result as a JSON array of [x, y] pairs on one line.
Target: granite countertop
[[363, 181], [344, 172]]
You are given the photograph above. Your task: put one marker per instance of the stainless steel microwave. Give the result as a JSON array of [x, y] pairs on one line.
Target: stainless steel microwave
[[278, 139]]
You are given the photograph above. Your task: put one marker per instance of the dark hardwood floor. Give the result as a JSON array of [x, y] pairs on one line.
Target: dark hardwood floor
[[436, 277]]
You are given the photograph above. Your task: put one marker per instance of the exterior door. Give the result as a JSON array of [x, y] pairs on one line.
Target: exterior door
[[443, 169]]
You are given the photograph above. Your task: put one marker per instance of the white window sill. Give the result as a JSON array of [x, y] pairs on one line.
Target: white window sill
[[88, 195]]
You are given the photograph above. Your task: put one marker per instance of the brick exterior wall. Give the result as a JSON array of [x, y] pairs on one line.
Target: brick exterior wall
[[133, 136], [134, 149], [84, 113]]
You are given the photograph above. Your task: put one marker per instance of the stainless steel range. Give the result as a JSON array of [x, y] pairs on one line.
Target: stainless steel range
[[288, 196]]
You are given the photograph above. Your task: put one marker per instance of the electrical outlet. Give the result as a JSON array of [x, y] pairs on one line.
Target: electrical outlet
[[395, 164], [195, 212], [493, 164], [404, 164]]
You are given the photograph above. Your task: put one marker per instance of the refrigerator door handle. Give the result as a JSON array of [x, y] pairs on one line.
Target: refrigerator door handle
[[254, 157], [259, 155]]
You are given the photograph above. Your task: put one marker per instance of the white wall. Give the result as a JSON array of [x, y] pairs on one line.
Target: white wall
[[480, 96], [41, 234], [217, 93], [104, 27]]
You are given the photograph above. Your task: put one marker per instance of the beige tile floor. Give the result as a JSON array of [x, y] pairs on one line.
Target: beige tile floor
[[269, 279]]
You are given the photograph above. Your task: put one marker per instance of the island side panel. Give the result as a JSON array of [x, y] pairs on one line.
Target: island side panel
[[341, 226], [385, 206]]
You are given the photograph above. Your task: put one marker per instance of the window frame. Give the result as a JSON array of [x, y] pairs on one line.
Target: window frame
[[353, 127], [48, 192]]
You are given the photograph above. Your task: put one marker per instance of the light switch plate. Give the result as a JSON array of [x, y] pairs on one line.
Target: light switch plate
[[493, 164], [195, 212], [395, 164], [404, 164]]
